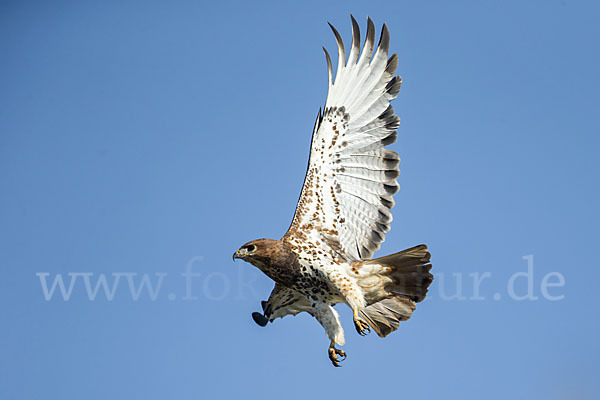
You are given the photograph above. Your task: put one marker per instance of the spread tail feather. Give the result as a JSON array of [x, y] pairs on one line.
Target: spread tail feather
[[407, 278], [385, 315]]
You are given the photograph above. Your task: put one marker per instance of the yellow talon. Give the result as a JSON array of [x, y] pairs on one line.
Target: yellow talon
[[334, 353], [361, 325]]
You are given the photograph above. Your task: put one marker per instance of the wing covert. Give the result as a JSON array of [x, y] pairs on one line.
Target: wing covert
[[282, 301]]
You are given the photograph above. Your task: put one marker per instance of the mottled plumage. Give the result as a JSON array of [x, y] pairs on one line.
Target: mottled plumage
[[343, 212]]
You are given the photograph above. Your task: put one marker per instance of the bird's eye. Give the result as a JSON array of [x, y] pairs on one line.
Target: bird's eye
[[250, 248]]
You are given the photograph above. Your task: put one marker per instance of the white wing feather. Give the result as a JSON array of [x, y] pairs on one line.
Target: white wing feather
[[351, 177]]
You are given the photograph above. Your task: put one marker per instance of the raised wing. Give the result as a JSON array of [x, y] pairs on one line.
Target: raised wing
[[282, 301], [351, 177]]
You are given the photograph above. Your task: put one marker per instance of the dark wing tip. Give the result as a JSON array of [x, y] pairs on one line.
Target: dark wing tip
[[355, 28], [392, 64], [369, 42], [335, 32], [384, 40], [355, 49], [329, 66], [370, 25], [338, 38]]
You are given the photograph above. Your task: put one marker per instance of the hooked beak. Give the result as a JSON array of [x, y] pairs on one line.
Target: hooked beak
[[236, 255], [241, 253]]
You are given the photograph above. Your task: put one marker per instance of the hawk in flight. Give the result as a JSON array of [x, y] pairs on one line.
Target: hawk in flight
[[344, 209]]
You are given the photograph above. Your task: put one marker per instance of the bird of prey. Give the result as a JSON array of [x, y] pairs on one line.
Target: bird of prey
[[344, 209]]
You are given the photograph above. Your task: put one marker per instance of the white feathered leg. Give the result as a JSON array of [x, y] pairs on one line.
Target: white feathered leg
[[330, 320], [354, 297]]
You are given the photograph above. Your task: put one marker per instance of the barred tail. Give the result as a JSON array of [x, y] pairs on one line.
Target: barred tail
[[406, 278]]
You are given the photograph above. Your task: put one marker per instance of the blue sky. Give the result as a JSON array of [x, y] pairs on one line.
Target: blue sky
[[142, 137]]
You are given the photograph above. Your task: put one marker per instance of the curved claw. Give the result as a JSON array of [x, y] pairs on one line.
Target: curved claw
[[334, 353], [361, 326]]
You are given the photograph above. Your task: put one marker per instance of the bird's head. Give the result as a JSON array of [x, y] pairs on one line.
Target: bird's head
[[257, 251]]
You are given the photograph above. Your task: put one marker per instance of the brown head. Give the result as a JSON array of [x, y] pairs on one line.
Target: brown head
[[259, 250], [270, 256]]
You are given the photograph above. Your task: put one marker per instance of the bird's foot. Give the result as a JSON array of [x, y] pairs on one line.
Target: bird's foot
[[260, 319], [334, 353], [361, 326]]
